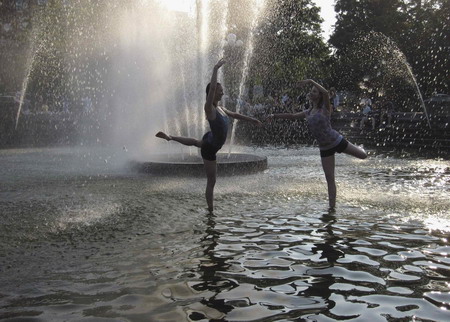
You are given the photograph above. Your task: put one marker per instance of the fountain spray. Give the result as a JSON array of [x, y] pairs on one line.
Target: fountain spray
[[257, 9]]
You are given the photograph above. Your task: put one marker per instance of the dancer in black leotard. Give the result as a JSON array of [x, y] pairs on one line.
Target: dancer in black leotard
[[213, 140]]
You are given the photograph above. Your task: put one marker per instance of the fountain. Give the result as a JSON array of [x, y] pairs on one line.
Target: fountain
[[142, 78], [192, 165], [392, 63], [208, 30], [247, 56]]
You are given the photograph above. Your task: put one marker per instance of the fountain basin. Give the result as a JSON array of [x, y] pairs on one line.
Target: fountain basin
[[192, 165]]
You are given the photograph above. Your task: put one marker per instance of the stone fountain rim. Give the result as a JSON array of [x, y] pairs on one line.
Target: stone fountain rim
[[238, 163]]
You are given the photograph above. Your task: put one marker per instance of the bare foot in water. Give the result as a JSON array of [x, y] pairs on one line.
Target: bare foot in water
[[163, 135]]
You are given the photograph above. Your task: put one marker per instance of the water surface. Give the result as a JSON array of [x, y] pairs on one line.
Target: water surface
[[84, 238]]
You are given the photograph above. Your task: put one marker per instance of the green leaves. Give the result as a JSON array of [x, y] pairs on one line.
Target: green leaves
[[419, 29], [289, 45]]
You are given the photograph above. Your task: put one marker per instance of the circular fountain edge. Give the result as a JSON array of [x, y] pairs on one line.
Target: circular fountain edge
[[188, 165]]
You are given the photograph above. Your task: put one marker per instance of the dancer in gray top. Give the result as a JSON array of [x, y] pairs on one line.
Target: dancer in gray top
[[329, 140], [213, 140]]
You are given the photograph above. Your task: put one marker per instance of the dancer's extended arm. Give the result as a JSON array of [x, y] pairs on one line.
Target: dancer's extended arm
[[238, 116], [288, 116]]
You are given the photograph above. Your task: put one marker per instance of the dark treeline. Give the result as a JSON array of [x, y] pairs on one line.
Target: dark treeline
[[418, 27], [377, 46]]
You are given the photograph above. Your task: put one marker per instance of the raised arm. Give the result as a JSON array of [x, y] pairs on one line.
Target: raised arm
[[238, 116], [326, 95], [287, 116], [209, 110]]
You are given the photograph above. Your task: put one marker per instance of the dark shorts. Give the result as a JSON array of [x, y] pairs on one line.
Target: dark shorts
[[338, 148], [209, 150]]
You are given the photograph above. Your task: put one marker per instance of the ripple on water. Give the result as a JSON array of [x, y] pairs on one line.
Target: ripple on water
[[400, 290], [345, 287], [440, 298], [272, 262], [371, 251], [347, 274], [253, 303], [361, 242], [402, 277], [432, 265], [414, 254], [390, 245], [398, 307], [394, 258], [412, 268], [443, 251], [363, 259], [346, 309]]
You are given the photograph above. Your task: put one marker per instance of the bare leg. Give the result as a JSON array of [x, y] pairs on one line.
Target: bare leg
[[328, 168], [187, 141], [180, 139], [355, 151], [211, 175]]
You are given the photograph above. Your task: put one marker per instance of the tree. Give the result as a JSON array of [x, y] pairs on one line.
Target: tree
[[355, 17], [416, 29], [289, 46], [425, 43]]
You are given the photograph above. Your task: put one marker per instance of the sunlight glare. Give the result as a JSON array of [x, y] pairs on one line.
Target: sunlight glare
[[437, 223], [178, 5]]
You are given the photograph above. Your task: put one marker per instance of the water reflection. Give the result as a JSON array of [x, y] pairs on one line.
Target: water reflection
[[209, 268], [328, 250], [328, 247]]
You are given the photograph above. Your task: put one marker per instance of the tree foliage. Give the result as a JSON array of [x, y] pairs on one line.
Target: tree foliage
[[289, 46], [426, 43], [417, 28]]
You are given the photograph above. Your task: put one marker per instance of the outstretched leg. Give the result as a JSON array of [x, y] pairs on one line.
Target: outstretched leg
[[328, 166], [211, 175], [180, 139], [355, 151]]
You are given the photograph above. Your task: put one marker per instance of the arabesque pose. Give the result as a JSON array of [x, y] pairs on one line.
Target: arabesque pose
[[213, 140], [329, 140]]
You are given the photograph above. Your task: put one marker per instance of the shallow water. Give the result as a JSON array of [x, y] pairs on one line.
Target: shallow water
[[84, 238]]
